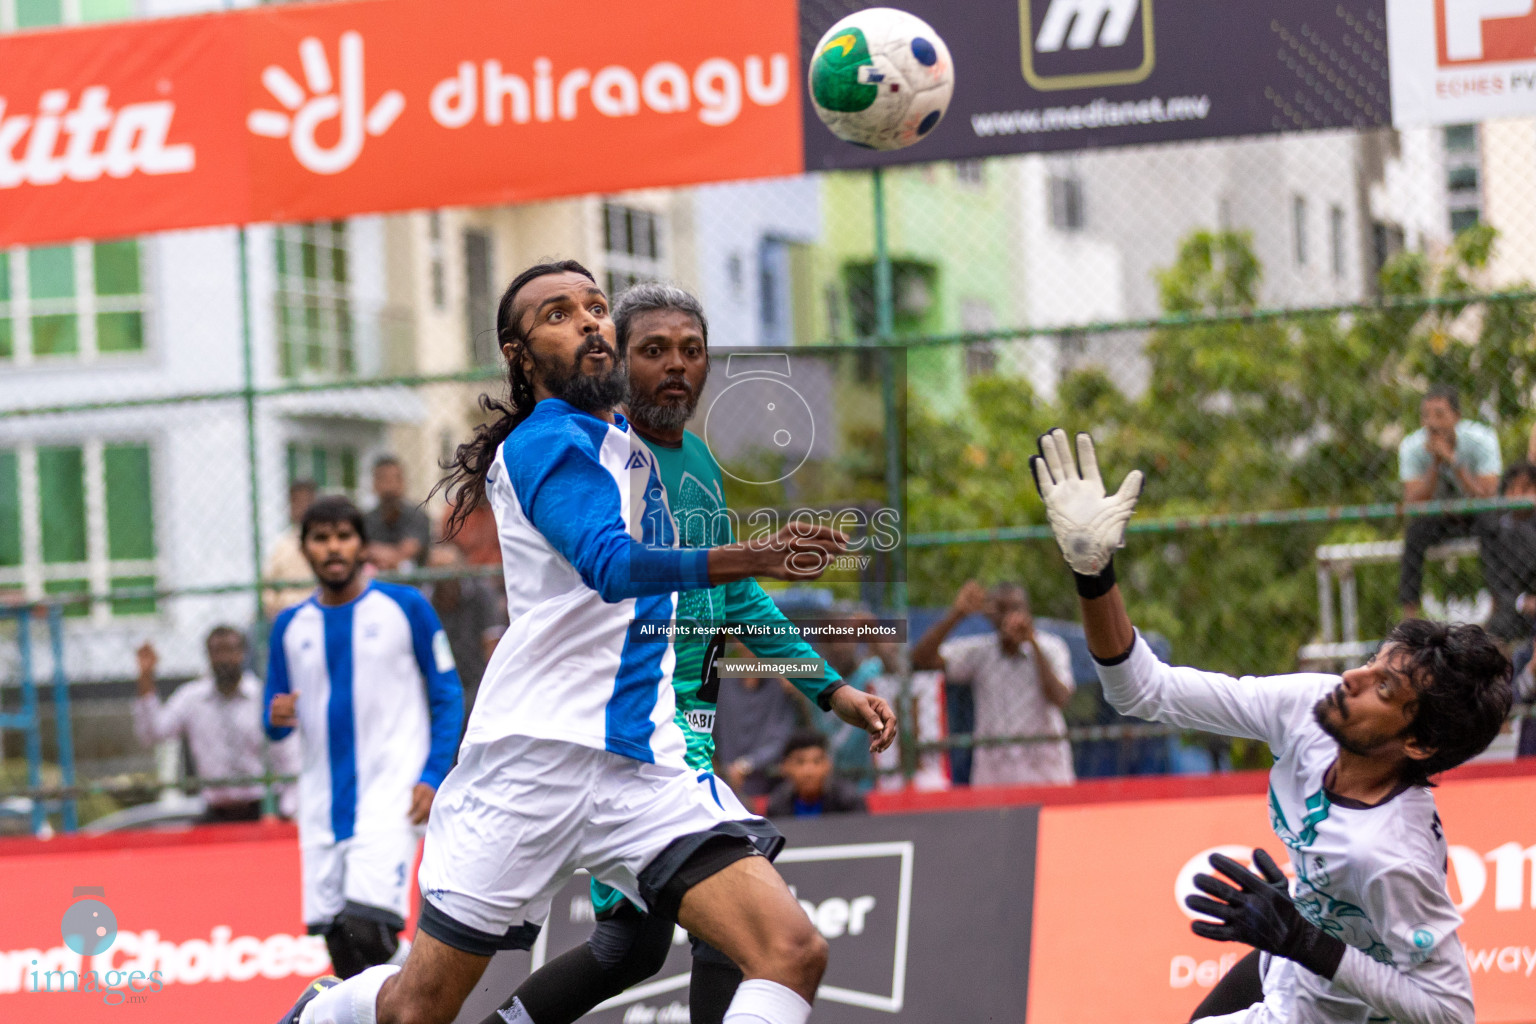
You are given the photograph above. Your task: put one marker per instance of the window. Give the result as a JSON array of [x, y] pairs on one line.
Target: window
[[79, 519], [971, 172], [479, 300], [314, 311], [1336, 239], [1067, 213], [1299, 229], [1463, 176], [75, 301], [332, 468], [977, 317], [17, 14], [631, 247], [439, 271], [775, 320]]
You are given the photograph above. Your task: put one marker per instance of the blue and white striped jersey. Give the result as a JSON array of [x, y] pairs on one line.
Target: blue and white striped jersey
[[379, 707], [587, 546]]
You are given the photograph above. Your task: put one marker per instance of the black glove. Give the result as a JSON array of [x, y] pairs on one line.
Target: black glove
[[1261, 914]]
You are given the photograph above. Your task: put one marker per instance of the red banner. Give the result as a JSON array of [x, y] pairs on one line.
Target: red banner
[[1110, 881], [205, 926], [325, 110]]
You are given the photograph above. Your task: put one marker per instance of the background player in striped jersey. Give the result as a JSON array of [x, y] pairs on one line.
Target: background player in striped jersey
[[572, 757], [663, 337], [1369, 933], [364, 672]]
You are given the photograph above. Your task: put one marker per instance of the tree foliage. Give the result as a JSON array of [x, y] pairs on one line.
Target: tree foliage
[[1238, 414]]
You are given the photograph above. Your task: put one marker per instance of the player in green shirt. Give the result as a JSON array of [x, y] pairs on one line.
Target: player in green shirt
[[663, 337]]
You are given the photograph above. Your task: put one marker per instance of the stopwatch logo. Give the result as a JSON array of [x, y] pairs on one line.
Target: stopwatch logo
[[761, 402], [89, 926]]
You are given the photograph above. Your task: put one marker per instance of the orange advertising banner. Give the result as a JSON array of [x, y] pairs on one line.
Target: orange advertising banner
[[1111, 879], [311, 111]]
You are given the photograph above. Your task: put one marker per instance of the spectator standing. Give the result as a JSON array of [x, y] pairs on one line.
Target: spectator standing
[[398, 530], [285, 563], [809, 787], [219, 715], [1021, 680], [1447, 457], [471, 617]]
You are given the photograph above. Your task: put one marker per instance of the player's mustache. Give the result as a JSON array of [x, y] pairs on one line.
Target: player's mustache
[[675, 382], [593, 345]]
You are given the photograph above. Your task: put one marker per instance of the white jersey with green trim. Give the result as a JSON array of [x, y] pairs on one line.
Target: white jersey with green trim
[[1372, 875]]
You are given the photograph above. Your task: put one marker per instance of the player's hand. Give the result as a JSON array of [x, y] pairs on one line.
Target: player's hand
[[283, 711], [1442, 446], [1088, 525], [801, 551], [971, 599], [867, 712], [421, 803], [1260, 913]]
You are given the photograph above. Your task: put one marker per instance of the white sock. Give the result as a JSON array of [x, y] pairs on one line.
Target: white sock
[[354, 1001], [766, 1002]]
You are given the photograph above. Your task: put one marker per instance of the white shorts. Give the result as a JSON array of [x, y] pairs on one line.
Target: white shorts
[[367, 875], [518, 816]]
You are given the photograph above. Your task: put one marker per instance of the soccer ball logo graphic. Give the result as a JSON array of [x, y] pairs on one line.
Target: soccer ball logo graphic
[[89, 926], [881, 78], [760, 401]]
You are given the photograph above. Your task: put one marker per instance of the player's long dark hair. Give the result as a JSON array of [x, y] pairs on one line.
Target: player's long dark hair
[[464, 484]]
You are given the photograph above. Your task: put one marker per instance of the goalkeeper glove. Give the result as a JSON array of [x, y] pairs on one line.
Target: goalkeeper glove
[[1260, 913], [1088, 525]]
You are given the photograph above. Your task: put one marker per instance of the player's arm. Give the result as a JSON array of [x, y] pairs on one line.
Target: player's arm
[[445, 698], [1089, 527], [746, 601], [279, 715], [1258, 911], [573, 501]]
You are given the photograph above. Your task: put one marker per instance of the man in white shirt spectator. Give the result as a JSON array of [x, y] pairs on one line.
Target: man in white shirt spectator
[[1021, 679], [1446, 458], [220, 715]]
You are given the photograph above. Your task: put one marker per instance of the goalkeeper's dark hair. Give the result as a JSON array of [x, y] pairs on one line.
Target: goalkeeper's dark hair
[[464, 484], [1463, 689]]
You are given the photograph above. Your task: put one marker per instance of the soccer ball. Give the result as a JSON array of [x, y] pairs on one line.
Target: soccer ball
[[881, 78]]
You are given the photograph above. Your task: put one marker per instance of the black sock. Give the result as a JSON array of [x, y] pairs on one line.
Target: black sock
[[710, 991]]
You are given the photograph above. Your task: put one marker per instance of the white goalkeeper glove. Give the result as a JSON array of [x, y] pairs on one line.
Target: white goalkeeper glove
[[1088, 525]]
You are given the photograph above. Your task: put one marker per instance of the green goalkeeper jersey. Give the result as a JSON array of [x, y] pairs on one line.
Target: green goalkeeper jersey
[[696, 497]]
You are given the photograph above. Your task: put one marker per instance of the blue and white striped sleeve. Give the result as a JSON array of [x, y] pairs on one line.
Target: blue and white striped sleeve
[[277, 675], [573, 501], [445, 694]]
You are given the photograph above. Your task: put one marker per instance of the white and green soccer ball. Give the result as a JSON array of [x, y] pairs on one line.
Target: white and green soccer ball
[[881, 78]]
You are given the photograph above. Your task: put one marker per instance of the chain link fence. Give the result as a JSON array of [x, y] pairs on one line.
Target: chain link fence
[[1253, 322]]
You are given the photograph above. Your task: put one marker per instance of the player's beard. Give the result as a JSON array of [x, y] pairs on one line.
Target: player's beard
[[589, 392], [1335, 729], [664, 417]]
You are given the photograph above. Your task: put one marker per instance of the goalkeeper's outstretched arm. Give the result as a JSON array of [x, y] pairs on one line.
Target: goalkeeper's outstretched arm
[[1089, 526]]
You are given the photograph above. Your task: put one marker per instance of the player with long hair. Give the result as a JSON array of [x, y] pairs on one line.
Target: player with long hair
[[572, 757]]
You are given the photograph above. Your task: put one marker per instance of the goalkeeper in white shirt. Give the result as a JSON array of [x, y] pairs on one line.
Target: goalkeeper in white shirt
[[1367, 931]]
